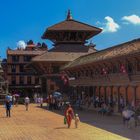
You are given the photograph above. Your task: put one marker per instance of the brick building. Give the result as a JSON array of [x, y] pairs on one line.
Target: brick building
[[3, 82], [111, 74], [22, 80]]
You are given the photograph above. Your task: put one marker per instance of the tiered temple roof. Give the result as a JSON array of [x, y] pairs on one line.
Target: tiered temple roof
[[71, 25], [69, 37]]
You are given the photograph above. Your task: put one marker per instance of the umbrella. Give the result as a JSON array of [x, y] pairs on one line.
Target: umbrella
[[17, 95], [57, 94], [8, 97]]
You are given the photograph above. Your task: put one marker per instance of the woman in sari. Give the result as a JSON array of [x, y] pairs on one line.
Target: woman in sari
[[69, 114]]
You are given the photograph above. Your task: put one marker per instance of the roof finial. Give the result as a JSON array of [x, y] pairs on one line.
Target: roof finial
[[69, 16]]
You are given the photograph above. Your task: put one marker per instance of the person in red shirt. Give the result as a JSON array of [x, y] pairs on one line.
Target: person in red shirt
[[69, 114]]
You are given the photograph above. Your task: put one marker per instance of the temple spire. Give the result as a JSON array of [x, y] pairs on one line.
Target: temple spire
[[69, 16]]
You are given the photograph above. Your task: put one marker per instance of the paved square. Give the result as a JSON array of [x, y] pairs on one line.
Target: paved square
[[41, 124]]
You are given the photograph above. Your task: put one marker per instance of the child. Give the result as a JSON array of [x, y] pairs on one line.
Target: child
[[77, 120]]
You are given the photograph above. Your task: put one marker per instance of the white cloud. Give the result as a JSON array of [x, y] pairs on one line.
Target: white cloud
[[110, 25], [134, 19], [21, 44]]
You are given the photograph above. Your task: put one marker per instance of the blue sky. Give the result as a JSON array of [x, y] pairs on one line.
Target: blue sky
[[28, 19]]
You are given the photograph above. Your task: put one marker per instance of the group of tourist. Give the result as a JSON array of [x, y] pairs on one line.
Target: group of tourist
[[104, 107], [39, 100], [131, 116], [54, 103]]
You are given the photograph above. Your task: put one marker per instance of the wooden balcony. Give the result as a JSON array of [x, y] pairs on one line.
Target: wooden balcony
[[107, 80]]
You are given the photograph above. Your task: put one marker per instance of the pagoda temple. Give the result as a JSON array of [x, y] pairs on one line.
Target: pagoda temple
[[69, 38]]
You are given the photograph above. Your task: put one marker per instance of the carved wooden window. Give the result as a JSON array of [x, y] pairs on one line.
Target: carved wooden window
[[87, 73], [55, 69], [52, 87], [115, 69], [91, 73], [36, 80], [13, 68], [78, 73], [21, 68], [29, 80], [82, 73], [27, 58], [21, 79], [13, 80], [15, 58], [130, 67], [96, 71]]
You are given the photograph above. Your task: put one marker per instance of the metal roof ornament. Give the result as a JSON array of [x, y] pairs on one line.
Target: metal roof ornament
[[69, 16]]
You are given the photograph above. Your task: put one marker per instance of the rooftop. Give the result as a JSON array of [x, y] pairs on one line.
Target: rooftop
[[71, 25], [126, 48], [24, 52], [57, 56]]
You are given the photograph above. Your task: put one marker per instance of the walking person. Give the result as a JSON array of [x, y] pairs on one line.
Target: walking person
[[77, 120], [122, 103], [14, 100], [8, 106], [69, 115], [41, 102], [96, 102], [27, 101]]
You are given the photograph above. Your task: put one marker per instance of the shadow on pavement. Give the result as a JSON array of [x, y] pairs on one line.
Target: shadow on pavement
[[113, 124], [61, 128]]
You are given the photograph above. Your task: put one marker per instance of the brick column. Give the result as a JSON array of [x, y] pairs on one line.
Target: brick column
[[126, 95], [135, 95], [111, 94]]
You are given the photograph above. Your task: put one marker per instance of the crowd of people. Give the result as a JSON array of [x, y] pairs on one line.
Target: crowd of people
[[55, 103], [130, 114]]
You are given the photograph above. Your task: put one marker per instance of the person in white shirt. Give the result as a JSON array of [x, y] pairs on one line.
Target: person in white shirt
[[27, 101], [41, 101]]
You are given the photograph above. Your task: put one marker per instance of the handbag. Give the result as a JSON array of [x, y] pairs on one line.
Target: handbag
[[65, 121]]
